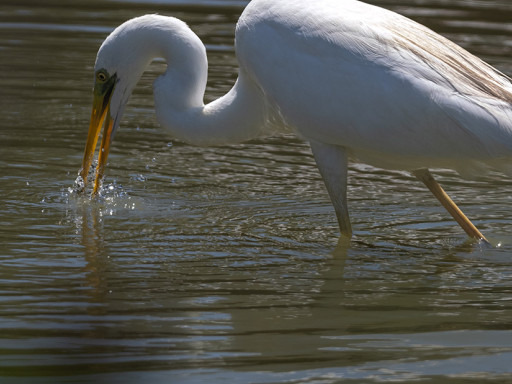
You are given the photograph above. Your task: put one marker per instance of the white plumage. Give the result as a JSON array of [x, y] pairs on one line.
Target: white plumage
[[353, 79]]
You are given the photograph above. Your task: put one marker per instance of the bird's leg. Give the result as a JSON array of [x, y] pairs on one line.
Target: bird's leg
[[332, 163], [426, 177]]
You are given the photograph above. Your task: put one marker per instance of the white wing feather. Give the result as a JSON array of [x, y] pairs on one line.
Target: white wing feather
[[390, 90]]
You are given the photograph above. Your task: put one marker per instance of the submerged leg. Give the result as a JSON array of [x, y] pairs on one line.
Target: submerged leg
[[332, 163], [426, 177]]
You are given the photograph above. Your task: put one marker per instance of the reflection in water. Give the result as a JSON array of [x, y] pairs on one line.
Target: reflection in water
[[269, 312], [95, 249], [88, 215], [221, 264]]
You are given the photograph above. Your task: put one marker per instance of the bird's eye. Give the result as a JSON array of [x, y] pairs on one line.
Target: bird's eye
[[101, 77]]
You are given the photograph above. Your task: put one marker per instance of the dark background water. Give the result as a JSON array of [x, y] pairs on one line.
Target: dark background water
[[221, 264]]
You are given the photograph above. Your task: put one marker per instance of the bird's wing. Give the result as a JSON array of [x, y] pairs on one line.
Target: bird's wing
[[387, 88]]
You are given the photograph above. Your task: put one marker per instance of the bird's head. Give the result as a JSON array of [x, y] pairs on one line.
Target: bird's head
[[119, 64]]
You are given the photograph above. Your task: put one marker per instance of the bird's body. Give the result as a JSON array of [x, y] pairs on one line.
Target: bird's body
[[387, 89], [350, 78]]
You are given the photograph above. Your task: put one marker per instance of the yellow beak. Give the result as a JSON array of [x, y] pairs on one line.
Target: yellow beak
[[100, 114]]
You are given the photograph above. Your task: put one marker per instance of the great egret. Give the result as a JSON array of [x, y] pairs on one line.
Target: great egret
[[353, 79]]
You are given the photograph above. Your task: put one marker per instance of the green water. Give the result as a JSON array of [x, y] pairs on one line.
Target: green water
[[221, 265]]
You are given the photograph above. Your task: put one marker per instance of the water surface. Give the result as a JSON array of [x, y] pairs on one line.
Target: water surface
[[222, 265]]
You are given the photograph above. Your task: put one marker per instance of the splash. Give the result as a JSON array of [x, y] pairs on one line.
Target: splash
[[78, 186], [110, 198]]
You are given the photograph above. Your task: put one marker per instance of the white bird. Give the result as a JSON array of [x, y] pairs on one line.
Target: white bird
[[352, 79]]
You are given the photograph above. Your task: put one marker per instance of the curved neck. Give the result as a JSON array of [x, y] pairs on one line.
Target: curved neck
[[187, 66], [239, 115]]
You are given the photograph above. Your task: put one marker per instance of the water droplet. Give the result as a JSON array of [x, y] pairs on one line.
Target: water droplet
[[79, 181], [78, 186]]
